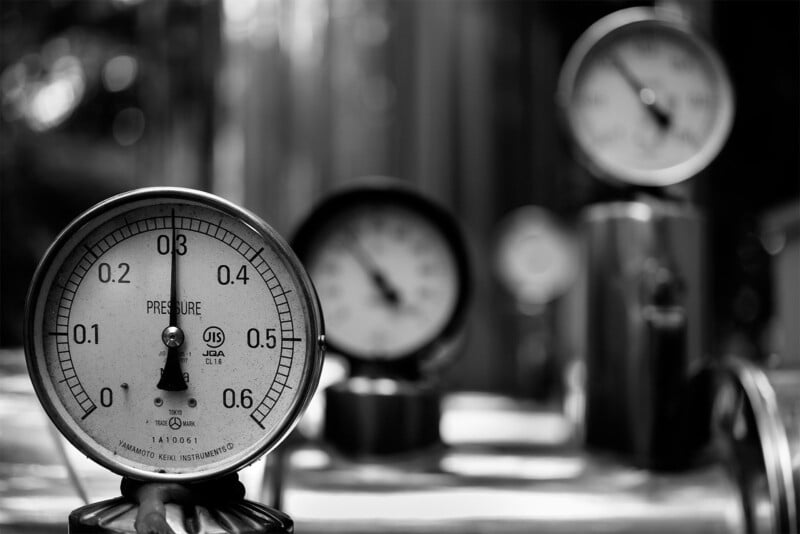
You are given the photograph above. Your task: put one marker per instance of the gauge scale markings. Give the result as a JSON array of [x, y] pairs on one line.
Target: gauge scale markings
[[267, 403]]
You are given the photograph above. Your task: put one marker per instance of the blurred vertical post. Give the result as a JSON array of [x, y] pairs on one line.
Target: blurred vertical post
[[271, 143]]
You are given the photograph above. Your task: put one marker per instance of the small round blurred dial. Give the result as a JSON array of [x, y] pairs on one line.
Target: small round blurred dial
[[535, 258], [646, 100]]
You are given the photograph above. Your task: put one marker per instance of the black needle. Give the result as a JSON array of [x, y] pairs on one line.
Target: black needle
[[646, 95], [386, 289], [172, 377]]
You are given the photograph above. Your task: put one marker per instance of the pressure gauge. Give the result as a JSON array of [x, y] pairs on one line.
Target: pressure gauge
[[172, 336], [645, 99], [536, 258], [391, 270]]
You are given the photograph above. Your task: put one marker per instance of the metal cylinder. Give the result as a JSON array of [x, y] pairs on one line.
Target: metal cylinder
[[644, 328], [377, 416]]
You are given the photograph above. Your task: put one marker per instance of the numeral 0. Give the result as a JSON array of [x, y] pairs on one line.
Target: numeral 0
[[106, 397]]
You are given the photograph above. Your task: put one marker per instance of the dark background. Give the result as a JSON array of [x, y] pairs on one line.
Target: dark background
[[275, 107]]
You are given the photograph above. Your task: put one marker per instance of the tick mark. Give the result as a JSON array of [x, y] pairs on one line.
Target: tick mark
[[257, 421], [89, 250], [259, 251]]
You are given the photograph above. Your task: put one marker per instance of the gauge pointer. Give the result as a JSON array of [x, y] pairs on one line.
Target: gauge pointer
[[172, 336], [386, 289], [647, 96]]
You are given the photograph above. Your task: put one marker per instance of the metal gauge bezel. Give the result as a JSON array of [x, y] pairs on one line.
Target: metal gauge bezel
[[45, 275], [747, 415], [618, 25], [374, 191]]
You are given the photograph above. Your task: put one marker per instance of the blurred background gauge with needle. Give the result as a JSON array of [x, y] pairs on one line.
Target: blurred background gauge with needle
[[390, 267], [645, 99]]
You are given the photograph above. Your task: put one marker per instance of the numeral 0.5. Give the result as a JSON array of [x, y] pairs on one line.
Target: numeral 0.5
[[255, 340]]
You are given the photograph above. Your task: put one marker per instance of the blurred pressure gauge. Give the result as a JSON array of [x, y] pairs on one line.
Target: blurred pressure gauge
[[645, 99], [391, 270], [172, 336]]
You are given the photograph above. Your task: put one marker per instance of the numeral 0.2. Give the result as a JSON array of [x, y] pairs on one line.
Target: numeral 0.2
[[106, 274]]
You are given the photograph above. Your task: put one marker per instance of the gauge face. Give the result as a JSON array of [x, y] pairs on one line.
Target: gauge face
[[390, 268], [646, 101], [172, 335], [535, 257]]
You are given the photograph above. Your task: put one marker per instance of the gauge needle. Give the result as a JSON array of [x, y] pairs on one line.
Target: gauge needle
[[647, 96], [386, 289], [172, 336]]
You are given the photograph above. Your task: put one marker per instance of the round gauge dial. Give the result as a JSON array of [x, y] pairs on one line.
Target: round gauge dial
[[171, 335], [536, 259], [390, 268], [646, 100]]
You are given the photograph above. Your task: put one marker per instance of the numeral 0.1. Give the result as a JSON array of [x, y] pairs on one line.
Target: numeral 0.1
[[81, 334]]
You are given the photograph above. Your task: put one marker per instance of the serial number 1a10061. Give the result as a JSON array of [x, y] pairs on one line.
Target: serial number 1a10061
[[176, 440]]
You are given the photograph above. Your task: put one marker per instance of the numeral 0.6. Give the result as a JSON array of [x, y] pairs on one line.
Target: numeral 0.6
[[243, 400]]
